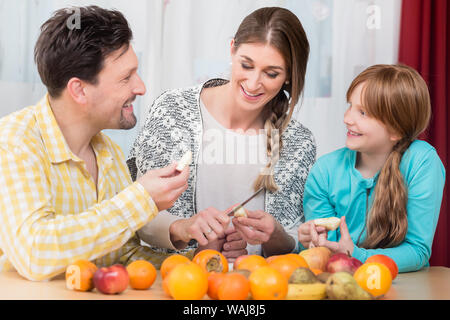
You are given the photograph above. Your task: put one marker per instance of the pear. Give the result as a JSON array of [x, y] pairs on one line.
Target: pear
[[323, 277], [342, 286], [302, 275]]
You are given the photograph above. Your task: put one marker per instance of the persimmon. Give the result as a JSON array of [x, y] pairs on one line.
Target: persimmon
[[287, 263], [142, 274], [214, 281], [80, 275], [374, 277], [387, 261], [234, 286], [267, 283], [250, 262], [170, 262], [187, 282], [211, 260]]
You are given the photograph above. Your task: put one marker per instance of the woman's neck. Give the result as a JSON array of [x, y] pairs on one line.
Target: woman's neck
[[221, 104]]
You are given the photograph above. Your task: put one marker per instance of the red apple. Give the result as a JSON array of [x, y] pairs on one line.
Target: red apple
[[342, 262], [111, 280]]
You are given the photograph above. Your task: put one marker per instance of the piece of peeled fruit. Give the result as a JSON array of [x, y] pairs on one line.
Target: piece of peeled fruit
[[331, 223], [240, 212], [184, 161]]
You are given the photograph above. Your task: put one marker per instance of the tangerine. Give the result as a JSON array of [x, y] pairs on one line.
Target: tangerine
[[80, 275], [250, 262], [374, 277], [267, 283], [170, 262], [387, 261], [287, 263], [211, 260], [142, 274], [214, 281], [187, 282], [234, 286]]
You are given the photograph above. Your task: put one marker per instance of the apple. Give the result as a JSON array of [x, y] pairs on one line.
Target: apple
[[111, 280], [342, 262]]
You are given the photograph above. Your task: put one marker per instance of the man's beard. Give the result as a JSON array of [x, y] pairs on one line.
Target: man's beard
[[127, 124]]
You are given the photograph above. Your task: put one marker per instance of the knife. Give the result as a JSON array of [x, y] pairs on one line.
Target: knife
[[244, 203]]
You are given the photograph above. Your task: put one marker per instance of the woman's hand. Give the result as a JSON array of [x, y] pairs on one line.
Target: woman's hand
[[345, 244], [234, 245], [257, 228], [206, 226], [307, 231]]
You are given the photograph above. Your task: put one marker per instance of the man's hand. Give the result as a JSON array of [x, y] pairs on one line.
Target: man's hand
[[234, 245], [165, 185]]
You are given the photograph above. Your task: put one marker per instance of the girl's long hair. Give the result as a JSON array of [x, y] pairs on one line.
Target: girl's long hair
[[280, 28], [397, 96]]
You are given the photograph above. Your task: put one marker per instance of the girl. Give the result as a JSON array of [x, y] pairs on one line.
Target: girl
[[269, 54], [385, 185]]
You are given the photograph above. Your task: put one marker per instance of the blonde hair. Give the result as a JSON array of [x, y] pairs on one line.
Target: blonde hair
[[280, 28], [397, 96]]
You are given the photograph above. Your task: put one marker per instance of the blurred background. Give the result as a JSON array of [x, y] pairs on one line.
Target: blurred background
[[182, 43]]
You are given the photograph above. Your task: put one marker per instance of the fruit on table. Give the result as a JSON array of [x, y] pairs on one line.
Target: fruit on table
[[211, 260], [142, 274], [310, 291], [111, 280], [170, 262], [80, 275], [342, 286], [374, 278], [214, 281], [249, 262], [387, 261], [331, 223], [234, 286], [267, 283], [187, 282], [317, 257], [342, 262], [287, 263], [302, 275], [323, 277]]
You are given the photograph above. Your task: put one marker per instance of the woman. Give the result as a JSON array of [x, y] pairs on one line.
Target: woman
[[253, 110]]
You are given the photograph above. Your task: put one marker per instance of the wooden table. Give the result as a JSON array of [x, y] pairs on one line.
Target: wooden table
[[427, 284]]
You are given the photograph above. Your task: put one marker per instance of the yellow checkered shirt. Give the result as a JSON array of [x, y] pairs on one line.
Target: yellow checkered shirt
[[50, 212]]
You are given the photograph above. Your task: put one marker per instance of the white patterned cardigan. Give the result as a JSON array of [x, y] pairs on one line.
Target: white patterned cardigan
[[174, 125]]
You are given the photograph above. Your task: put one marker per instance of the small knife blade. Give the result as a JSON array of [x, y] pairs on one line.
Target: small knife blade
[[245, 202]]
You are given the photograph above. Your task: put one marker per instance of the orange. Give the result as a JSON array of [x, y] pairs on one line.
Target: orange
[[374, 278], [187, 282], [267, 283], [316, 271], [170, 262], [387, 261], [234, 286], [250, 262], [214, 281], [165, 285], [142, 274], [80, 275], [211, 260], [287, 263]]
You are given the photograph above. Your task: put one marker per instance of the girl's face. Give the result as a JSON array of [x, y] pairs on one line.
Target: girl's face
[[366, 134], [258, 72]]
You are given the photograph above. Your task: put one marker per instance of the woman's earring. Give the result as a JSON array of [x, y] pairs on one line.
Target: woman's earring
[[286, 82]]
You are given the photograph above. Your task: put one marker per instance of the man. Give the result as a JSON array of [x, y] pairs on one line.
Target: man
[[66, 192]]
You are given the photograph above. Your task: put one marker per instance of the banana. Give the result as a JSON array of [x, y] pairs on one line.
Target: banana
[[184, 161], [310, 291], [331, 223]]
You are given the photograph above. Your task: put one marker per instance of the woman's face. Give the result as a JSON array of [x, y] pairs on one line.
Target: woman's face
[[258, 72]]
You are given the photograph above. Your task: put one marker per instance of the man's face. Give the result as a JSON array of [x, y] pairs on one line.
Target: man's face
[[117, 87]]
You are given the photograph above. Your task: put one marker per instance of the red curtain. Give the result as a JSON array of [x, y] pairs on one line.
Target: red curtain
[[425, 45]]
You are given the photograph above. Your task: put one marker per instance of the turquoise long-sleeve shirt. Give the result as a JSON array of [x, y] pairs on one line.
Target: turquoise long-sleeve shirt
[[335, 187]]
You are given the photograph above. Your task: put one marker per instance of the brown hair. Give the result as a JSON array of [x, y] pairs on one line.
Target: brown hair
[[282, 29], [397, 96], [63, 51]]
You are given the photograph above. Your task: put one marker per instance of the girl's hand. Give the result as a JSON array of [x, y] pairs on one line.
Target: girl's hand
[[345, 244], [307, 231]]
